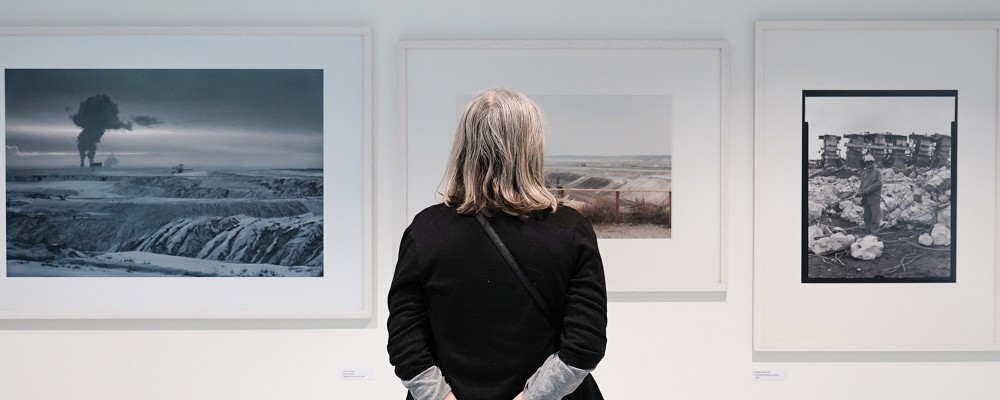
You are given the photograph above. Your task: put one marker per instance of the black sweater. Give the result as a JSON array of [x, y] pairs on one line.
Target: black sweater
[[455, 303]]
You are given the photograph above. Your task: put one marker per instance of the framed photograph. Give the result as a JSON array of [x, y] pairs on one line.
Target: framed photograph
[[187, 173], [861, 241], [620, 116], [878, 185]]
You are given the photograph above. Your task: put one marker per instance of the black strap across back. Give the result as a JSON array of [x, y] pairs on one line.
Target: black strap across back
[[516, 269]]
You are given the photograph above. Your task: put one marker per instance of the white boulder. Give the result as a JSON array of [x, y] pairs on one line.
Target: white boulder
[[918, 214], [944, 217], [831, 244], [934, 181], [900, 190], [925, 239], [822, 194], [889, 203], [867, 248], [851, 212], [941, 235], [818, 231], [815, 210]]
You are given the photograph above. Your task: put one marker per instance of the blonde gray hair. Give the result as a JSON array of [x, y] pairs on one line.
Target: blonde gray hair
[[497, 158]]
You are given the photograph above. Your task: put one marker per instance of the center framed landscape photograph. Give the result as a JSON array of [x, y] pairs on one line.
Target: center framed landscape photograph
[[227, 175], [608, 156], [635, 140]]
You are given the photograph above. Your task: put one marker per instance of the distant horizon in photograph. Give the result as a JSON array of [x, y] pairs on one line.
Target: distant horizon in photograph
[[610, 157], [158, 118], [856, 115]]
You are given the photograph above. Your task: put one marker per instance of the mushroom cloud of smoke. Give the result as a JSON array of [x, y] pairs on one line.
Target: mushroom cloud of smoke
[[96, 115]]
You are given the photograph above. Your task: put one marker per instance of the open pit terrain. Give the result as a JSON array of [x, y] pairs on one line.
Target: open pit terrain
[[69, 222], [642, 185]]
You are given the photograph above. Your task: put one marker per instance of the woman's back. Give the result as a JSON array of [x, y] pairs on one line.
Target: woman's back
[[462, 323], [485, 332]]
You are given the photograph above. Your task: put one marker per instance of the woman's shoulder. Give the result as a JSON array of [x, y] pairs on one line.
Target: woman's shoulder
[[437, 209], [564, 216], [433, 215], [568, 212], [563, 219], [569, 215]]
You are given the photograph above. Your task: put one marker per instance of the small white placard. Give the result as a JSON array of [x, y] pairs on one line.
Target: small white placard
[[357, 374], [770, 375]]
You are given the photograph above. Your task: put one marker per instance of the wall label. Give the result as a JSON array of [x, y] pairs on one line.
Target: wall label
[[357, 374], [770, 375]]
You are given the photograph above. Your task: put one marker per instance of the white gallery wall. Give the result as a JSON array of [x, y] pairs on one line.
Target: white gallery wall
[[662, 345]]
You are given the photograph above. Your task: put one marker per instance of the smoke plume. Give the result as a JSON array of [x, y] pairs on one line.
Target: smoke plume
[[96, 115], [146, 120]]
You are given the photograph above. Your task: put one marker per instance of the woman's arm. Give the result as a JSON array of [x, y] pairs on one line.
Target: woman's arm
[[553, 380], [584, 333], [429, 385], [409, 330], [583, 339]]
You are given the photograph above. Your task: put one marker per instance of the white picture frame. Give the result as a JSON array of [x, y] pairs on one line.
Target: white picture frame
[[957, 313], [345, 288], [436, 78]]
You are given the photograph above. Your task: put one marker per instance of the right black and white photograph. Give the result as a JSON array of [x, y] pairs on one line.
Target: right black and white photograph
[[879, 182]]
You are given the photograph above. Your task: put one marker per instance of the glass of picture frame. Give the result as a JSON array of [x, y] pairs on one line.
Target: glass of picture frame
[[865, 135], [208, 160], [635, 139]]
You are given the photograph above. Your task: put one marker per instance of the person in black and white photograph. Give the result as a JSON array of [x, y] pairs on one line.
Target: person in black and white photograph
[[156, 172], [879, 184], [870, 192]]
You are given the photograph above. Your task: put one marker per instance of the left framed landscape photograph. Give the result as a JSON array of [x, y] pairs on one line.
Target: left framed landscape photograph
[[188, 173]]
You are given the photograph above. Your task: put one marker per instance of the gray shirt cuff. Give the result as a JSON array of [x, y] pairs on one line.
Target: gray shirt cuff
[[428, 385], [554, 380]]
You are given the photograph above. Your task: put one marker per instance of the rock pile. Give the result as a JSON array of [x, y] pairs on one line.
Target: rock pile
[[823, 240], [940, 235], [911, 197]]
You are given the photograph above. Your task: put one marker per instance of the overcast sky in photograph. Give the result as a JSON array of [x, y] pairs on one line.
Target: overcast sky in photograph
[[203, 118], [603, 125], [899, 115]]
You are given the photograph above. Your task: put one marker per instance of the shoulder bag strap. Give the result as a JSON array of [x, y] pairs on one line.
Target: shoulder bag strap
[[530, 286]]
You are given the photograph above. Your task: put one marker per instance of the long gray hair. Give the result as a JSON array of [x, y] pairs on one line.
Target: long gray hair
[[497, 159]]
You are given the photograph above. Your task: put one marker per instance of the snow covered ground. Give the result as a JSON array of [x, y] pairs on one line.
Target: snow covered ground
[[82, 189], [143, 264], [78, 222]]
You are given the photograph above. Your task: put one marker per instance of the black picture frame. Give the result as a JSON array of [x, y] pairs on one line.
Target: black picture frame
[[805, 252]]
